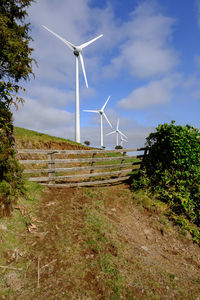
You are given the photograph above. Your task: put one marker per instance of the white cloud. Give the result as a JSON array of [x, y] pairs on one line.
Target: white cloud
[[146, 50], [156, 92], [37, 116], [51, 96]]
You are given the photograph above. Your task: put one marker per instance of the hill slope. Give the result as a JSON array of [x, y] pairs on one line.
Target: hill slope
[[93, 243], [26, 138]]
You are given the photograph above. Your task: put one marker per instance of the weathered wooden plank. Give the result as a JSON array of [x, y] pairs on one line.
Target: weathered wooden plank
[[52, 167], [37, 151], [88, 183], [81, 168], [38, 179], [76, 160]]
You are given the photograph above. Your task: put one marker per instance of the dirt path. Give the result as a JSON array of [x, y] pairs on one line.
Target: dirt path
[[96, 243]]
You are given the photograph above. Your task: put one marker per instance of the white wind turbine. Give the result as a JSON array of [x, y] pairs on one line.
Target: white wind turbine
[[101, 113], [117, 131], [77, 50], [122, 140]]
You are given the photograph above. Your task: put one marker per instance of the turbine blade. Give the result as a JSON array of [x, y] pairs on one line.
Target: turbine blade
[[122, 134], [90, 42], [95, 111], [70, 45], [105, 104], [83, 68], [107, 119], [111, 133]]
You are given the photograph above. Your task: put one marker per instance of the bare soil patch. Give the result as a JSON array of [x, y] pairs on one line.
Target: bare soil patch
[[96, 243]]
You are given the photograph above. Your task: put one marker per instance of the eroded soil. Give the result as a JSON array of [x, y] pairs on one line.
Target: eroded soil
[[133, 255]]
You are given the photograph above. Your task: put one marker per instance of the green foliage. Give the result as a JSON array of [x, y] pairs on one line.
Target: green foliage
[[87, 143], [15, 52], [172, 168], [15, 64], [15, 60], [11, 181]]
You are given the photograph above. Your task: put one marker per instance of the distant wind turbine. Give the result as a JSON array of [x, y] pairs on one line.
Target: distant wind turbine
[[122, 140], [117, 131], [77, 50], [101, 113]]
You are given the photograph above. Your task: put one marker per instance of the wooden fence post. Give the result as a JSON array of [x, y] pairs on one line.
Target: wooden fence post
[[51, 165], [144, 156], [121, 165], [92, 163]]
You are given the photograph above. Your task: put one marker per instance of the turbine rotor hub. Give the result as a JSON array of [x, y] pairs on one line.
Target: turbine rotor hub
[[76, 52]]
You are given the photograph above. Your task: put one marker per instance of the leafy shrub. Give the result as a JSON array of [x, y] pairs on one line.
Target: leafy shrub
[[11, 181], [172, 168], [118, 147], [87, 143]]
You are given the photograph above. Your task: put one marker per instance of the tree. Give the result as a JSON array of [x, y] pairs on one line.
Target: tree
[[118, 147], [15, 53], [87, 143], [15, 65]]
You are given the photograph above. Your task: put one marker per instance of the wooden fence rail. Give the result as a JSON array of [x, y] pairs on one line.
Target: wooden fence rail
[[102, 166]]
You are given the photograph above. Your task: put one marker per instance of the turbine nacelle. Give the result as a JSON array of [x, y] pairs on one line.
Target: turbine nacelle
[[76, 52]]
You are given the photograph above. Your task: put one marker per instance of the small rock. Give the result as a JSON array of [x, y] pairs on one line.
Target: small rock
[[113, 209], [147, 233], [145, 248], [3, 227], [13, 281]]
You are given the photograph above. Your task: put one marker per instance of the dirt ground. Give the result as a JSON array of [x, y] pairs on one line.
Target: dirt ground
[[96, 243]]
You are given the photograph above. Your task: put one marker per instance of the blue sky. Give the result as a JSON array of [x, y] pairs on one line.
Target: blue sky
[[148, 61]]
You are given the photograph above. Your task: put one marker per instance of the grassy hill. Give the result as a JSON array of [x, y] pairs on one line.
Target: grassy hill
[[26, 138], [93, 243]]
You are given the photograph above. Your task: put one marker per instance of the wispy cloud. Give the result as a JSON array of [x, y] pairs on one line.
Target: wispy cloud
[[146, 50], [155, 92]]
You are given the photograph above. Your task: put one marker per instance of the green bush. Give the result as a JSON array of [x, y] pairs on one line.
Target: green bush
[[172, 168], [11, 180]]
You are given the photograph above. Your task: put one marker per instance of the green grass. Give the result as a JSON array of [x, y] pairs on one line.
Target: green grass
[[23, 135]]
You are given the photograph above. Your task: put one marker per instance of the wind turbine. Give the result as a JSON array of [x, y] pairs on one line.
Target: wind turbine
[[77, 50], [101, 113], [117, 131], [122, 140]]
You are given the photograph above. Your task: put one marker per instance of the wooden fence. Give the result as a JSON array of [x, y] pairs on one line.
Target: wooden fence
[[68, 168]]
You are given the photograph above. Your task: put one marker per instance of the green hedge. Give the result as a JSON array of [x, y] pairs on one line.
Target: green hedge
[[172, 168]]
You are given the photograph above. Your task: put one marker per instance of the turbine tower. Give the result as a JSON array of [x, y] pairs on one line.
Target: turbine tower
[[101, 113], [117, 131], [77, 50]]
